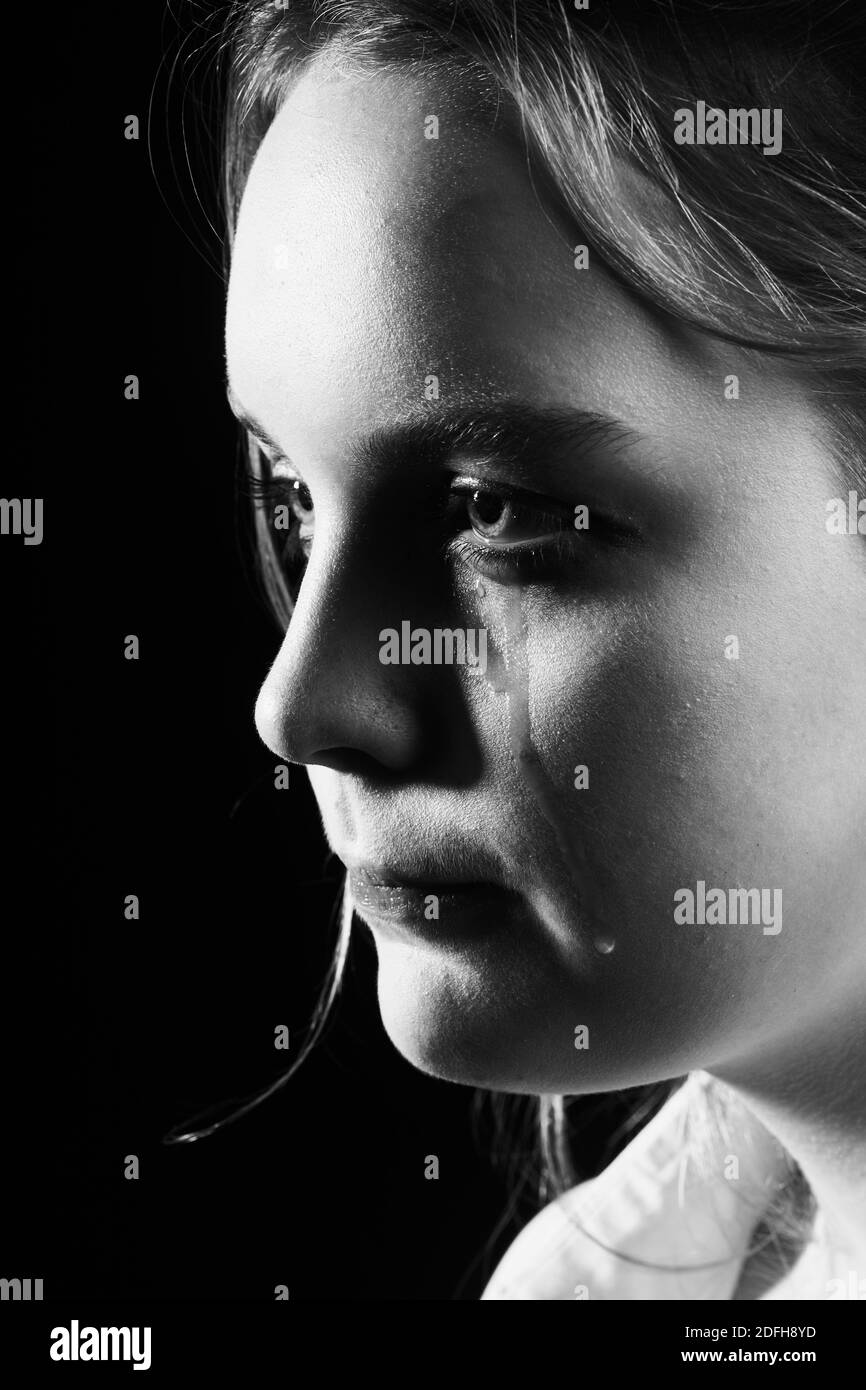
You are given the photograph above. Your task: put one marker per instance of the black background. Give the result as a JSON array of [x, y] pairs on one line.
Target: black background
[[162, 788]]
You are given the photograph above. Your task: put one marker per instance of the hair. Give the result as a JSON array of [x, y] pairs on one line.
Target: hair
[[766, 253]]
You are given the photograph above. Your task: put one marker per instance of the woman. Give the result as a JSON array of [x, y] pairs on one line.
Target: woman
[[546, 325]]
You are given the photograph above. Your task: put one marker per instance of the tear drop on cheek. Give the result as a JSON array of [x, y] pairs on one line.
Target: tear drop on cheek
[[604, 945], [480, 589]]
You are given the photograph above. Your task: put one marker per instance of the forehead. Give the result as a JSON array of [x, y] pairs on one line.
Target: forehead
[[369, 257]]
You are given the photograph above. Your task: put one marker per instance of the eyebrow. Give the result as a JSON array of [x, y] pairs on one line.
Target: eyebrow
[[512, 430]]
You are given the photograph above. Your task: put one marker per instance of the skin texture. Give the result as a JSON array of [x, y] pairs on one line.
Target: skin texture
[[368, 257]]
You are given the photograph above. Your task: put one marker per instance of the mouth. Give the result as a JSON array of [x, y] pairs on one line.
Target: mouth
[[400, 903]]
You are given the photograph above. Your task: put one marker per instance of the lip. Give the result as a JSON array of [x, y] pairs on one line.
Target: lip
[[432, 907]]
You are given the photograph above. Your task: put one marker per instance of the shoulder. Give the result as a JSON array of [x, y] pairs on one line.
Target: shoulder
[[554, 1258]]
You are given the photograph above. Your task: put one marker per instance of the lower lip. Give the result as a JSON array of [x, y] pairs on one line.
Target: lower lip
[[461, 908]]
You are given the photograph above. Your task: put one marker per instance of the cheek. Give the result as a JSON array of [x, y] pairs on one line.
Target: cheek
[[619, 724], [691, 773]]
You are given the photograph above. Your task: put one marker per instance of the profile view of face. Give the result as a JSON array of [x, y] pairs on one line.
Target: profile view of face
[[491, 437]]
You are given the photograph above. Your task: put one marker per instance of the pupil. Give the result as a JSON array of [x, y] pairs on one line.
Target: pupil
[[303, 496], [488, 507]]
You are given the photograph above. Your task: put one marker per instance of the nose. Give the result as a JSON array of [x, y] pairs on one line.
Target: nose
[[327, 698]]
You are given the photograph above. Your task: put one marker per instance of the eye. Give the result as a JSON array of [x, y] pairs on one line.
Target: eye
[[503, 532], [500, 519], [300, 500], [287, 505], [290, 508]]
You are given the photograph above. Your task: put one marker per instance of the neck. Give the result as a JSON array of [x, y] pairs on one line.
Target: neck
[[812, 1099]]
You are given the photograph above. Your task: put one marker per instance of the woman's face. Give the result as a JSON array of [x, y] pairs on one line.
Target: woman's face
[[699, 647]]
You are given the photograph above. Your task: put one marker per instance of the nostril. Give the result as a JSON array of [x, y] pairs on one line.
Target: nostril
[[353, 762]]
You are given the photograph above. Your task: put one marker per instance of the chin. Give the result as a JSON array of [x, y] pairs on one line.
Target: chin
[[450, 1022], [447, 1023], [456, 1016]]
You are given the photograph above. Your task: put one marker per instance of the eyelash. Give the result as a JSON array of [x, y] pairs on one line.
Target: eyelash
[[503, 561], [499, 561], [494, 561], [268, 492]]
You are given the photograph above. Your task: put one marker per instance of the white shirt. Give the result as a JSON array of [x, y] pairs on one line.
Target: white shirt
[[657, 1224]]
